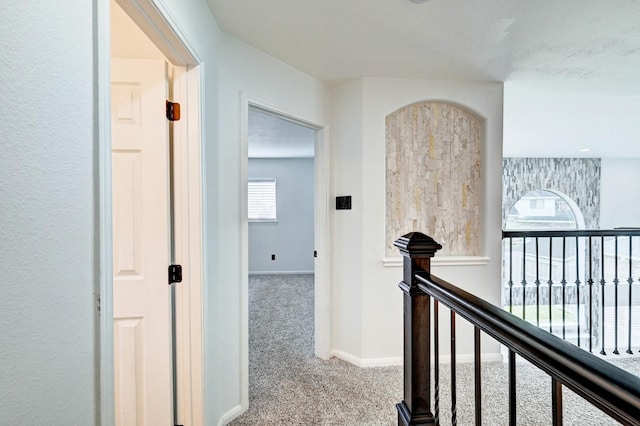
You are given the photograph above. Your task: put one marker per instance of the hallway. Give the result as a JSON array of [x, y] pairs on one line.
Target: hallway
[[288, 385]]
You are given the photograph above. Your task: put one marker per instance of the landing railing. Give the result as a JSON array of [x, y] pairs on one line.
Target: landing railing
[[609, 388], [583, 286]]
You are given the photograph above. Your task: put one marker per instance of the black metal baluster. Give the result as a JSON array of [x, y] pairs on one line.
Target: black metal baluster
[[537, 285], [590, 282], [512, 388], [556, 402], [630, 281], [578, 288], [602, 281], [615, 297], [454, 405], [550, 282], [510, 275], [564, 287], [478, 375], [524, 277], [436, 361]]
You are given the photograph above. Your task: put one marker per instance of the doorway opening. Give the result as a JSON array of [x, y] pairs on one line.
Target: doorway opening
[[143, 39], [280, 194], [287, 154]]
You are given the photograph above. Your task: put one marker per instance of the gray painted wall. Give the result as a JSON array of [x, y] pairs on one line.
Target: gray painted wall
[[47, 231], [291, 238]]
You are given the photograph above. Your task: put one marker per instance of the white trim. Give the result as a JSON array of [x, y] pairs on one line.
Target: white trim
[[321, 230], [367, 362], [196, 128], [398, 361], [322, 287], [188, 248], [155, 20], [160, 26], [396, 262], [281, 272], [102, 113], [230, 415], [243, 116]]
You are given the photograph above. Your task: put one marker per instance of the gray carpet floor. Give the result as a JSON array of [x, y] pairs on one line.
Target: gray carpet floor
[[288, 385]]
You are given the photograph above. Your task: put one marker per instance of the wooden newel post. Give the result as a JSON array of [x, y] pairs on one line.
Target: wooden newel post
[[415, 409]]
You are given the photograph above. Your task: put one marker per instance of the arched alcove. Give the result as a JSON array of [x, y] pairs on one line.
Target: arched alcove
[[433, 175]]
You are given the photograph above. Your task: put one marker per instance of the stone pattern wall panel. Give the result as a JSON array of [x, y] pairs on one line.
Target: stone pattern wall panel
[[433, 176], [578, 178]]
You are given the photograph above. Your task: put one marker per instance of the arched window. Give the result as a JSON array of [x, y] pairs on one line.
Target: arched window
[[544, 209], [541, 260]]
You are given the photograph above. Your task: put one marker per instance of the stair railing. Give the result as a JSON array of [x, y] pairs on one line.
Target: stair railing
[[581, 285], [607, 387]]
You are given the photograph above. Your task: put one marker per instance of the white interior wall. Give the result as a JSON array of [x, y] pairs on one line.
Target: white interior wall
[[540, 122], [48, 242], [247, 74], [619, 186], [346, 256], [372, 286]]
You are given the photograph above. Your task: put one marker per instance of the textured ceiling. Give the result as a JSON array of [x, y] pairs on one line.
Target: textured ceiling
[[572, 67], [271, 136], [589, 45]]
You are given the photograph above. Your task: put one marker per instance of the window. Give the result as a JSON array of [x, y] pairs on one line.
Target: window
[[262, 200], [536, 204], [542, 209]]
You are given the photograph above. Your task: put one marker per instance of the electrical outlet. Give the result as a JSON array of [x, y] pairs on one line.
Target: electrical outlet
[[343, 202], [273, 257]]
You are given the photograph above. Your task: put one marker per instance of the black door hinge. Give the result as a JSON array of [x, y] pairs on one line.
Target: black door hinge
[[175, 274], [315, 253], [173, 111]]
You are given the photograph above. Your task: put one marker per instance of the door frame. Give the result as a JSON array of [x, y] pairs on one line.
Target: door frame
[[157, 24], [322, 293]]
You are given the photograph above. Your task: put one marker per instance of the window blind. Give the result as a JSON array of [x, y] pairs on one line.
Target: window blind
[[262, 200]]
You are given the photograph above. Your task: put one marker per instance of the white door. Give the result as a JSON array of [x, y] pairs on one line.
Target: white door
[[141, 311]]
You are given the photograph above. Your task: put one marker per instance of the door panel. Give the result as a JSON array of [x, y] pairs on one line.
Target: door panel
[[140, 169]]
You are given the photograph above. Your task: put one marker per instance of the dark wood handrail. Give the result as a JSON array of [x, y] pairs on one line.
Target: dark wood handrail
[[611, 389]]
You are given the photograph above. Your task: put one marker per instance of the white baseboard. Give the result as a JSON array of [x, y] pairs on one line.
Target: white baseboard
[[366, 362], [397, 361], [231, 415], [281, 272]]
